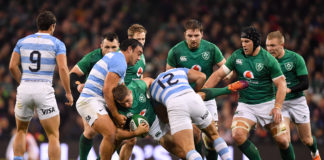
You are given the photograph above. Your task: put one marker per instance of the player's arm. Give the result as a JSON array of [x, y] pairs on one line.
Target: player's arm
[[64, 76], [171, 60], [280, 83], [14, 66], [302, 75], [217, 76], [148, 81], [302, 85], [122, 134], [76, 79], [111, 81], [196, 77]]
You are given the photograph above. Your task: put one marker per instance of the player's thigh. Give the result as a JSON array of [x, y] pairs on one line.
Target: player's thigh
[[184, 139], [158, 129], [198, 111], [178, 114], [88, 131], [304, 132], [287, 124], [241, 126], [279, 132], [105, 126], [24, 107], [212, 108], [51, 125], [298, 110], [45, 102], [169, 144], [90, 108]]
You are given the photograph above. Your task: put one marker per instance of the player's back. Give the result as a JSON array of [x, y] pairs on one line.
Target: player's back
[[171, 83], [38, 56]]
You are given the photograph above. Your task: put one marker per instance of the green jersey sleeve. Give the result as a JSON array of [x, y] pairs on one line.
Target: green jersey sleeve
[[274, 67], [87, 62], [301, 68], [171, 60], [230, 61], [218, 54]]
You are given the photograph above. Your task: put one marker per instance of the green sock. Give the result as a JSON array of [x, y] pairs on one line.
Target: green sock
[[214, 92], [288, 154], [85, 145], [211, 154], [313, 147], [249, 149], [198, 147]]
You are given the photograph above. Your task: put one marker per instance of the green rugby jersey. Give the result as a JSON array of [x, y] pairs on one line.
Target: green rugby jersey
[[89, 60], [202, 59], [136, 71], [292, 65], [141, 104], [259, 71]]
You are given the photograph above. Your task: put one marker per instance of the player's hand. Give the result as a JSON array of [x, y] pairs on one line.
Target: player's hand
[[276, 114], [70, 99], [288, 90], [142, 129], [80, 87], [120, 120]]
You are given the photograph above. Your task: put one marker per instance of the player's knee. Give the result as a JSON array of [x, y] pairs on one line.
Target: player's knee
[[282, 141], [89, 133], [131, 142], [239, 136], [307, 140]]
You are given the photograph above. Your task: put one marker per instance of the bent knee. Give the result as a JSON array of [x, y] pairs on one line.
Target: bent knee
[[282, 141], [239, 136], [307, 140], [90, 133]]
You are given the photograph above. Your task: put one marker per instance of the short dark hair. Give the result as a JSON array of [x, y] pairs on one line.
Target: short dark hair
[[110, 36], [130, 42], [120, 92], [45, 20], [193, 24]]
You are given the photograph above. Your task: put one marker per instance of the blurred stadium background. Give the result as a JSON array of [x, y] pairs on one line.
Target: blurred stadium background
[[80, 24]]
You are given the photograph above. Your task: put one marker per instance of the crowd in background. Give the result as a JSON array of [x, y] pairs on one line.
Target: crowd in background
[[80, 24]]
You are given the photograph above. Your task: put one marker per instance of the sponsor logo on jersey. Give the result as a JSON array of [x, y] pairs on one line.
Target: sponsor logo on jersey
[[289, 66], [248, 74], [239, 61], [259, 66], [143, 112], [183, 58], [142, 98], [48, 111], [196, 67], [205, 55], [139, 72], [157, 134]]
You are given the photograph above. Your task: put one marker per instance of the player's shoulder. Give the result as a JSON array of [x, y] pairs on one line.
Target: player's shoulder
[[207, 43], [292, 54], [179, 46]]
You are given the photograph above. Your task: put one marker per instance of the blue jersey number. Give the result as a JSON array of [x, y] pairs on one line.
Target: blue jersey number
[[169, 82], [35, 57]]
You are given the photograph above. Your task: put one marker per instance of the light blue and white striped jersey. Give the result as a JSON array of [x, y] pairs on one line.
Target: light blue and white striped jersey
[[112, 62], [170, 83], [38, 56]]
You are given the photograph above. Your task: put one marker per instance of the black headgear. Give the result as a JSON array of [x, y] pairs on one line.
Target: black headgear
[[252, 34]]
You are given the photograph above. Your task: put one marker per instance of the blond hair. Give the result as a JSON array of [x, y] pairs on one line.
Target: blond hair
[[135, 28], [278, 35]]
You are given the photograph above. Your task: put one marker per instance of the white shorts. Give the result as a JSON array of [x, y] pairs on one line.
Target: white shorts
[[39, 95], [296, 110], [88, 108], [212, 108], [256, 112], [158, 129], [185, 109]]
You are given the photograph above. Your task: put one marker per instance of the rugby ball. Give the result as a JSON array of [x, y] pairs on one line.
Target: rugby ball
[[135, 121]]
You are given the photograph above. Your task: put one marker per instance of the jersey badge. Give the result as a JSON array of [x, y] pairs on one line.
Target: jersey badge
[[129, 114], [259, 66], [248, 75], [143, 112], [196, 67], [183, 58], [139, 72], [289, 66], [239, 61], [205, 55], [142, 98]]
